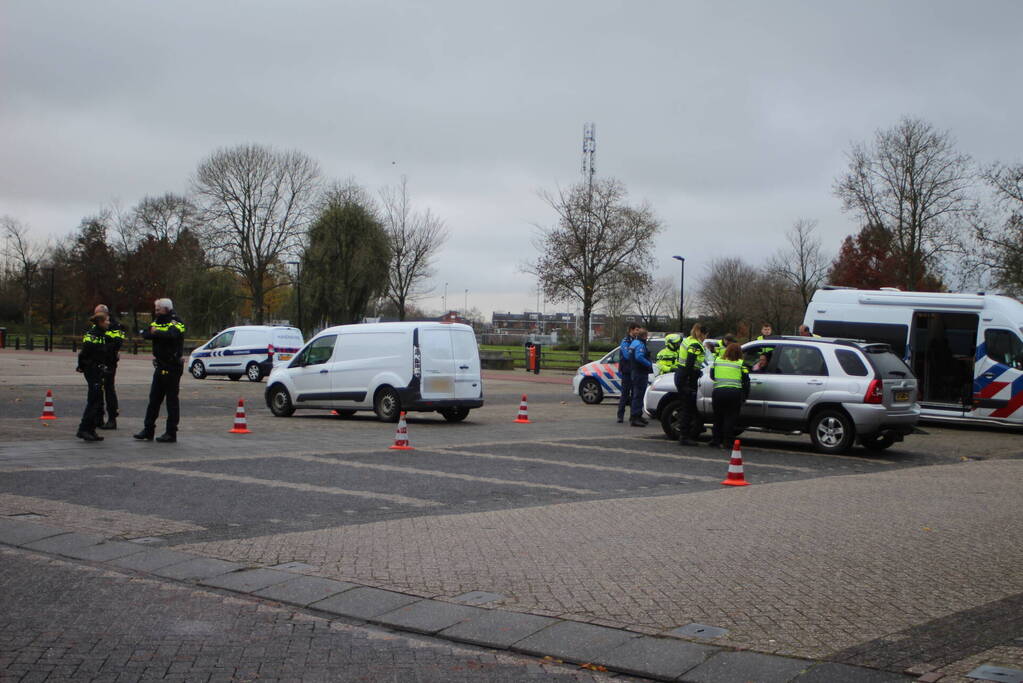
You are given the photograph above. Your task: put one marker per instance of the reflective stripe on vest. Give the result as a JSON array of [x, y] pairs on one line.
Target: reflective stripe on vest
[[727, 374]]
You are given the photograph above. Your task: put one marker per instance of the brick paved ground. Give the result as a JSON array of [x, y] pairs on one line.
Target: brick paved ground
[[62, 621]]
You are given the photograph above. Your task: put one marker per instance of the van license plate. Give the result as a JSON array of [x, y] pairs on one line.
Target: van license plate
[[285, 356], [902, 396]]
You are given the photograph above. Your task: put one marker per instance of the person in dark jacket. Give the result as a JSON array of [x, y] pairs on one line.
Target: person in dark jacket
[[642, 366], [115, 338], [731, 387], [167, 332], [625, 370], [687, 378], [92, 360]]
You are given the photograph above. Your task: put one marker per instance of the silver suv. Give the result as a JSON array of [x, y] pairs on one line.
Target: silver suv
[[840, 391]]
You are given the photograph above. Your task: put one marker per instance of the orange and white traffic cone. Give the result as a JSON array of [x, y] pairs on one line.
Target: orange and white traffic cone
[[735, 476], [523, 417], [241, 426], [48, 413], [401, 442]]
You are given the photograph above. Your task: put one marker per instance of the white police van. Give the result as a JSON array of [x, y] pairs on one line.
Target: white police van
[[966, 350], [384, 367], [250, 350]]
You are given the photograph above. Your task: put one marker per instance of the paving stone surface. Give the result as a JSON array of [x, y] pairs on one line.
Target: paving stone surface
[[248, 580], [428, 616], [833, 672], [65, 621], [304, 590], [573, 641], [497, 628], [743, 667], [364, 603]]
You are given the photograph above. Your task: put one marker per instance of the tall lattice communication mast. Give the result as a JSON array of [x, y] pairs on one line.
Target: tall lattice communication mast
[[589, 153]]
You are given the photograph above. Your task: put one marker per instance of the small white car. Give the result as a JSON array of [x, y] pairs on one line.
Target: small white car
[[384, 367], [250, 350], [600, 379]]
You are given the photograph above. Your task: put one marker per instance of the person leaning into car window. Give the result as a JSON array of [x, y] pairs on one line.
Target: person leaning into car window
[[731, 387]]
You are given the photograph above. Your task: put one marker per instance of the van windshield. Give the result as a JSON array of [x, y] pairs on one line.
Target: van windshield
[[887, 364]]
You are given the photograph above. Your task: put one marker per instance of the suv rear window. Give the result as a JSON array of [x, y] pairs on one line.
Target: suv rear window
[[851, 363], [886, 363]]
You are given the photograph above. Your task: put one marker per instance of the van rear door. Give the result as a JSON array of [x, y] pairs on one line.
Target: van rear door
[[438, 363], [468, 383]]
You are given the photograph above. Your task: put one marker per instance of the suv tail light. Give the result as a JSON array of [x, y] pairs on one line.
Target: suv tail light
[[875, 392]]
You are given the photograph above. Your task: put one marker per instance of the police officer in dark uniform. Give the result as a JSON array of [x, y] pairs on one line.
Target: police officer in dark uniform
[[92, 362], [687, 379], [115, 339], [625, 370], [642, 366], [167, 332]]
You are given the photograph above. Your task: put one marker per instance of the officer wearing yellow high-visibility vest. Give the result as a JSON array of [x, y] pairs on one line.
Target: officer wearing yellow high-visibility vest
[[731, 386], [668, 357], [729, 338], [692, 356]]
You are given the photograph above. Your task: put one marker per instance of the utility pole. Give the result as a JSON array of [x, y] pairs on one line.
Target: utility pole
[[298, 287], [681, 290], [51, 308]]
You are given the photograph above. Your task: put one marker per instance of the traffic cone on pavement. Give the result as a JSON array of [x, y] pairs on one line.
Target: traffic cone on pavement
[[240, 424], [48, 413], [401, 442], [523, 417], [735, 477]]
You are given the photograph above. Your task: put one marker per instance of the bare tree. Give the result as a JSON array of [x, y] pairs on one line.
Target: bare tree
[[166, 217], [256, 203], [802, 266], [727, 292], [914, 184], [24, 258], [659, 297], [415, 237], [600, 243], [1000, 235]]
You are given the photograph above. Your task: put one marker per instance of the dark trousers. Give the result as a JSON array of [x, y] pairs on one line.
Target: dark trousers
[[626, 399], [165, 386], [689, 423], [727, 404], [640, 381], [109, 395], [93, 415]]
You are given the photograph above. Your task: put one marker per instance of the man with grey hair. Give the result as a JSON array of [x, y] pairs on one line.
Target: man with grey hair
[[114, 339], [167, 332]]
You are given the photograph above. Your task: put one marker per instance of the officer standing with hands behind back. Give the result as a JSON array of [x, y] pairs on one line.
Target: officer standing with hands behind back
[[167, 332]]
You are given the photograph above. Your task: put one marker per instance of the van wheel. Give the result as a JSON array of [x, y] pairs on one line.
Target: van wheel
[[280, 402], [670, 419], [387, 404], [234, 378], [197, 369], [832, 431], [454, 414], [590, 391], [253, 372], [878, 442]]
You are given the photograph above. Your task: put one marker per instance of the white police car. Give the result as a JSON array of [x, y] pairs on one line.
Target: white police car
[[250, 350], [600, 379]]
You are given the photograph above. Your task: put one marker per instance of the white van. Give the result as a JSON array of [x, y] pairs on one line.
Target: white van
[[250, 350], [966, 350], [384, 367]]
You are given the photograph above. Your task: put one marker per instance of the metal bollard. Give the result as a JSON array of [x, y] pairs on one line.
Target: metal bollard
[[17, 343]]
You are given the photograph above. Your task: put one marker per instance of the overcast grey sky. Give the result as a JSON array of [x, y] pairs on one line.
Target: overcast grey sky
[[731, 119]]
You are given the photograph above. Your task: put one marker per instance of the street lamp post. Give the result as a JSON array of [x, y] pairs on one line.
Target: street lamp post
[[681, 290], [298, 286], [51, 308]]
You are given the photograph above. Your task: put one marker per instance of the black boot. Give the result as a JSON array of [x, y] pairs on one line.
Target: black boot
[[637, 422], [109, 424], [88, 436], [144, 435], [167, 437]]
